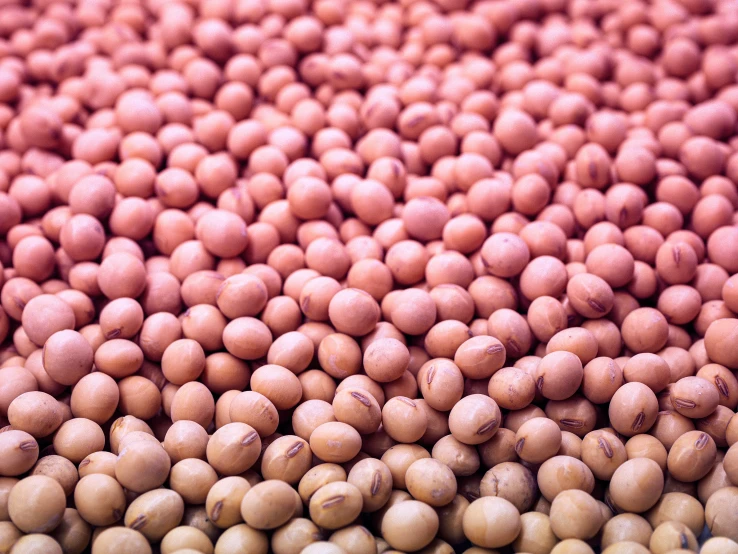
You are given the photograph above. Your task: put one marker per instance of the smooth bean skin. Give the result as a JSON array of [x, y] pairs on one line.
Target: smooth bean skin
[[155, 513], [623, 488], [569, 503], [477, 517], [274, 495], [420, 517], [324, 277], [36, 504]]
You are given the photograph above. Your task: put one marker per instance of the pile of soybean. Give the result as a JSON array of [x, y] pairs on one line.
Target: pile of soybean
[[367, 276]]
